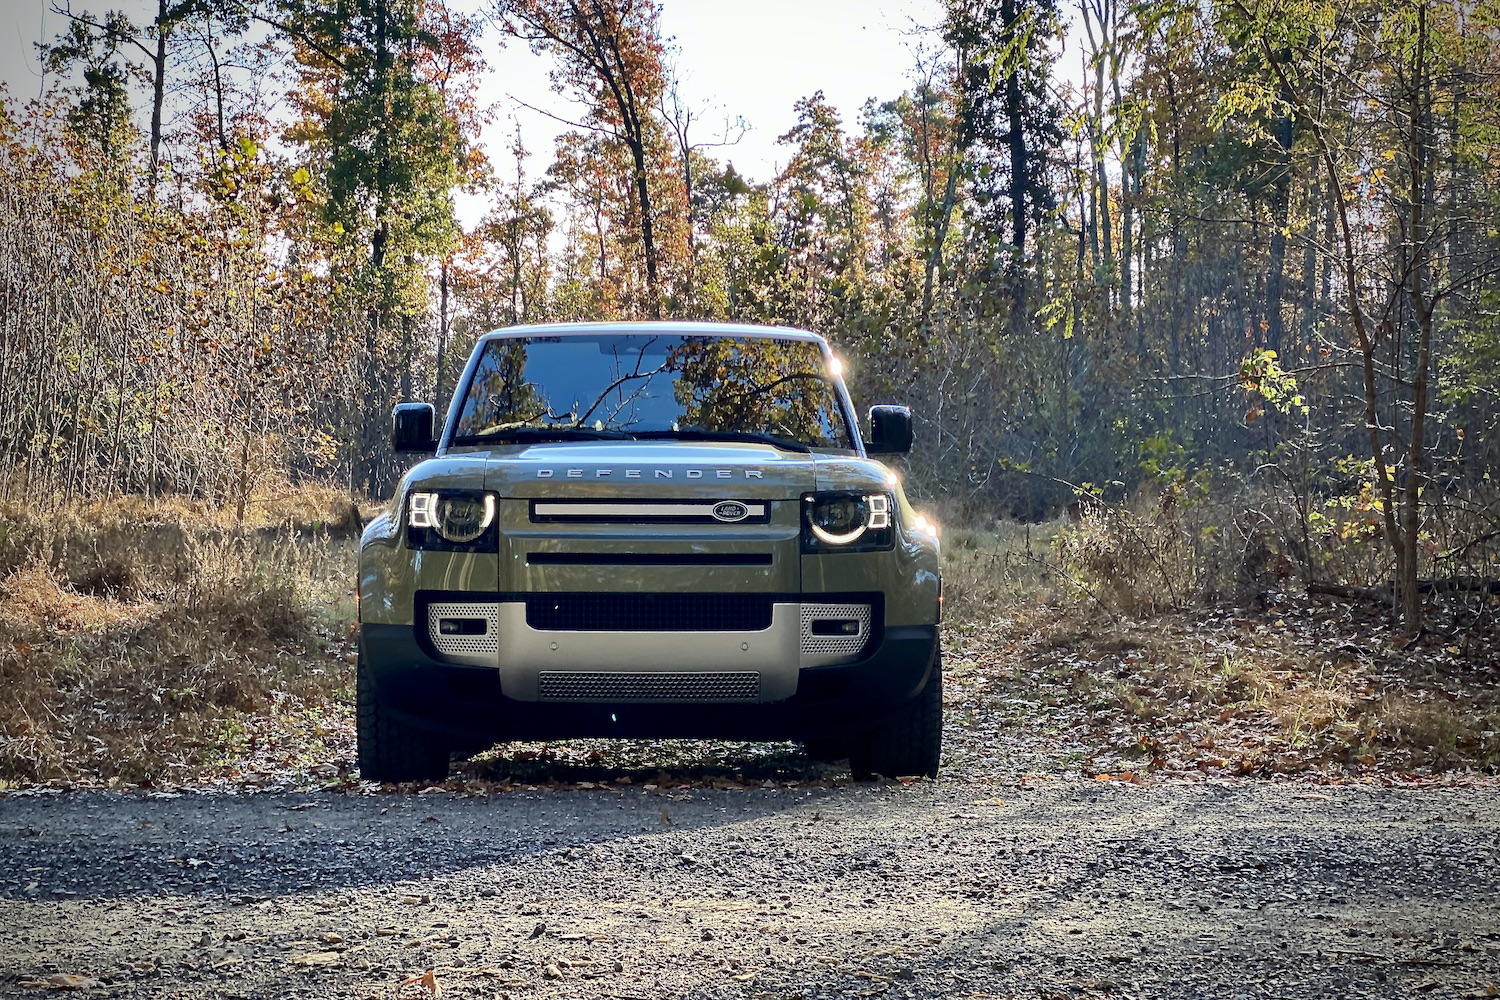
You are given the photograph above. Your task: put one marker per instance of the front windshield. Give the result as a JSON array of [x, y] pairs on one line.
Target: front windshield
[[654, 385]]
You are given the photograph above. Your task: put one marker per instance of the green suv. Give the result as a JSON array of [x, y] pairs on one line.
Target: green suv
[[650, 530]]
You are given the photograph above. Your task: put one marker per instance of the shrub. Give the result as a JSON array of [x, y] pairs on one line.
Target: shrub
[[1170, 551], [132, 634]]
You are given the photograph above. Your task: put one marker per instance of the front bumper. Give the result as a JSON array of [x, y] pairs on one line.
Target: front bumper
[[466, 703]]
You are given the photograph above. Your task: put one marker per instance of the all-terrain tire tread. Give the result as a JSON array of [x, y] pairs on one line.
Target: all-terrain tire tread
[[912, 743], [390, 750]]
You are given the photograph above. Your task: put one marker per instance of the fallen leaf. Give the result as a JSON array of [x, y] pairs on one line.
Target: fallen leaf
[[552, 972], [427, 981], [68, 981], [312, 958]]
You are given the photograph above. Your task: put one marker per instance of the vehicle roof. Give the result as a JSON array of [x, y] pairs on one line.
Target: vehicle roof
[[678, 327]]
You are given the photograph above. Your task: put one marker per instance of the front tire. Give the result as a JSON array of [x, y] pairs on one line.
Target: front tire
[[389, 749], [912, 742]]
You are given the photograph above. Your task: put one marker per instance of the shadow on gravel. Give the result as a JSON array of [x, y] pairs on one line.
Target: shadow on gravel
[[249, 848]]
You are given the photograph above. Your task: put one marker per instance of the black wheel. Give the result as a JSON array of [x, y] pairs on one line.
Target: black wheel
[[390, 750], [912, 742]]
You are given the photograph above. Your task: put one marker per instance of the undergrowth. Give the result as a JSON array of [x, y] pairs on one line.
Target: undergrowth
[[141, 641], [1134, 640], [162, 643]]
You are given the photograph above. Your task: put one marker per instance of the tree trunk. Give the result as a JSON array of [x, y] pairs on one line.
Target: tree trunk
[[939, 235], [1419, 151], [376, 386], [648, 235], [1020, 177], [158, 93], [1280, 207], [442, 344], [213, 58]]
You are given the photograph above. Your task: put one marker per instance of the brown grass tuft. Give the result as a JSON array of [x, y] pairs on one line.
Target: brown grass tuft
[[139, 641], [1319, 689]]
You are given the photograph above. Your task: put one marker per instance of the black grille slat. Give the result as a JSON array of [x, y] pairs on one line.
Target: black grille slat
[[600, 686], [649, 612]]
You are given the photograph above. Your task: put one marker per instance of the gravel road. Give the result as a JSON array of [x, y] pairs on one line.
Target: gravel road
[[1069, 888]]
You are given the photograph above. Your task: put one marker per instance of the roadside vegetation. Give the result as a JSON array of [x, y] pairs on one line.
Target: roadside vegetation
[[163, 643], [149, 642], [1203, 293], [1109, 253], [1062, 663]]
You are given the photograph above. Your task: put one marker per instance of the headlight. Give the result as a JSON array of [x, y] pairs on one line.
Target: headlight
[[449, 519], [846, 522]]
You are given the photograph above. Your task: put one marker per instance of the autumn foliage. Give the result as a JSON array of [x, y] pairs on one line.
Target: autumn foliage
[[1224, 286]]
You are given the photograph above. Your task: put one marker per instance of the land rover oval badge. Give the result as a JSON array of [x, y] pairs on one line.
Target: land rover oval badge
[[730, 510]]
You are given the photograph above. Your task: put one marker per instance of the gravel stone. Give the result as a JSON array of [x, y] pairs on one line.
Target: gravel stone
[[1063, 887]]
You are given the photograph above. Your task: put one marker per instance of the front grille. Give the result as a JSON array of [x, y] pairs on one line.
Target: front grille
[[555, 685], [648, 612], [652, 511], [648, 558]]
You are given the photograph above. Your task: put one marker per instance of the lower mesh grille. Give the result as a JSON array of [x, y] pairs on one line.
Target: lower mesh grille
[[649, 612], [465, 632], [841, 644], [556, 685]]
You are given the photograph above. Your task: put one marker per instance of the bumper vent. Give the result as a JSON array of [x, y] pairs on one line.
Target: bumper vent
[[649, 612], [741, 686], [836, 631], [465, 632]]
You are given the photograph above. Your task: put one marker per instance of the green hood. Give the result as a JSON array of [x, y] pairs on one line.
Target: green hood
[[673, 468]]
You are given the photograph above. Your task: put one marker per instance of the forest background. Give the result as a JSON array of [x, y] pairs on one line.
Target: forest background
[[1229, 296]]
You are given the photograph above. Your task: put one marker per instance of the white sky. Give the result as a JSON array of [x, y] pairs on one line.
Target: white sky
[[747, 59]]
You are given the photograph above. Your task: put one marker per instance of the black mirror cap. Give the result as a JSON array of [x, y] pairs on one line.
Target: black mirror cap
[[890, 430], [411, 427]]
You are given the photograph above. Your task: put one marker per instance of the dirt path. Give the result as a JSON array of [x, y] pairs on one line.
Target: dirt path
[[1072, 888]]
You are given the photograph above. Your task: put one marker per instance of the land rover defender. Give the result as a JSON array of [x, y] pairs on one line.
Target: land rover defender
[[649, 530]]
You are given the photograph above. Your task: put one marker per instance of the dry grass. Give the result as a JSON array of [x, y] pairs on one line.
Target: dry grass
[[1167, 551], [161, 643], [147, 642], [1293, 686]]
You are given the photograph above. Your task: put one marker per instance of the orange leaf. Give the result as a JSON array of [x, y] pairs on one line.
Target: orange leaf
[[427, 980]]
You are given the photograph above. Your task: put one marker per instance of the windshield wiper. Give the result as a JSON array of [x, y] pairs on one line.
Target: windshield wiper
[[533, 434], [697, 434]]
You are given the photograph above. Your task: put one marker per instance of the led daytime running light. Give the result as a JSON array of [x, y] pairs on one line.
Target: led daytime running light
[[829, 538], [423, 510]]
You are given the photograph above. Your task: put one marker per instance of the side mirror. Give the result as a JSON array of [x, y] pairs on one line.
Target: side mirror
[[411, 427], [890, 430]]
